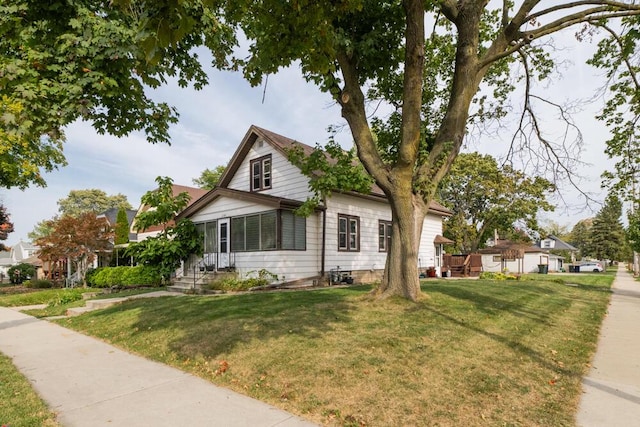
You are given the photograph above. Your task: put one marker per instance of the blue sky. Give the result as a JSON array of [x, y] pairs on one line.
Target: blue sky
[[214, 120]]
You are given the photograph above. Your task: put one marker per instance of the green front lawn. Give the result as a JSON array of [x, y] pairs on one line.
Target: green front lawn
[[20, 406], [471, 352]]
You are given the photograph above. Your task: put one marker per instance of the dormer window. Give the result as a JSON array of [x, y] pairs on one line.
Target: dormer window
[[261, 173]]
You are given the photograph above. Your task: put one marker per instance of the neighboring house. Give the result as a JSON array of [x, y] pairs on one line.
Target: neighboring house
[[249, 225], [194, 193], [518, 258], [552, 242], [21, 251], [5, 263]]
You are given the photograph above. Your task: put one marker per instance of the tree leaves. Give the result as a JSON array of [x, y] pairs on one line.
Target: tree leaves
[[65, 60], [6, 226], [485, 197]]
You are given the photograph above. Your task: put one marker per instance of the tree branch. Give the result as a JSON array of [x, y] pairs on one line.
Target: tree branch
[[450, 9], [412, 85], [351, 99], [557, 160], [515, 39], [625, 59]]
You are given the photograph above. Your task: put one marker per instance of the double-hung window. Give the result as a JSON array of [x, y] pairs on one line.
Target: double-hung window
[[348, 233], [384, 235], [261, 173]]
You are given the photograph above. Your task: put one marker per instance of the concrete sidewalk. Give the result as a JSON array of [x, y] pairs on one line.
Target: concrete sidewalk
[[612, 389], [90, 383]]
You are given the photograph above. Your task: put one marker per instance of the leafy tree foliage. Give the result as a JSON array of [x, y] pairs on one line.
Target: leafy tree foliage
[[75, 239], [166, 250], [21, 161], [607, 239], [175, 242], [553, 228], [330, 169], [161, 205], [77, 203], [91, 200], [485, 198], [633, 230], [6, 226], [618, 56], [580, 235], [41, 229], [209, 178], [67, 60]]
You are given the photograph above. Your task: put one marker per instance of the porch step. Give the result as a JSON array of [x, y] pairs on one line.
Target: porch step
[[104, 303], [182, 288], [77, 311]]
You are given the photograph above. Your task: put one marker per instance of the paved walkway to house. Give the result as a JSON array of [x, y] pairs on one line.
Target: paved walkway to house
[[90, 383], [611, 395]]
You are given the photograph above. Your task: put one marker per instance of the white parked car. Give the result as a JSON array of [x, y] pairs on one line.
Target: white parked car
[[594, 266]]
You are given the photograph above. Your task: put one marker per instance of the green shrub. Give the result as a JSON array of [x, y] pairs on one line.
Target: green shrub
[[65, 297], [231, 284], [491, 275], [90, 275], [38, 284], [141, 275], [114, 275], [21, 272], [253, 279], [126, 276], [98, 279]]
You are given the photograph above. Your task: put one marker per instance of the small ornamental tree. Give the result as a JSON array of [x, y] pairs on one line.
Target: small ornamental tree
[[122, 227], [175, 242], [75, 240], [6, 226]]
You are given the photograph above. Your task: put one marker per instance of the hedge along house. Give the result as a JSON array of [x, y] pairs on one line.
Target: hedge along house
[[248, 221]]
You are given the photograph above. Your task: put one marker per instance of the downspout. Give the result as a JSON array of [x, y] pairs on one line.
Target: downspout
[[324, 238]]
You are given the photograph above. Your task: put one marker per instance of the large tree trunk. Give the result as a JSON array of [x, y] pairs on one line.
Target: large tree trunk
[[401, 276]]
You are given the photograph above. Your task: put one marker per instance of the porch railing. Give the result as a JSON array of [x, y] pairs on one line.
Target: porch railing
[[208, 263]]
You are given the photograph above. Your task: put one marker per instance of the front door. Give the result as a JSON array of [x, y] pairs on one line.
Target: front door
[[223, 243]]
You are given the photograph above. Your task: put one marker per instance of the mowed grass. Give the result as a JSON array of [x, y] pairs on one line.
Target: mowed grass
[[23, 297], [20, 406], [470, 352], [58, 300]]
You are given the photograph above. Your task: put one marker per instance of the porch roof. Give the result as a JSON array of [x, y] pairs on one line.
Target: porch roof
[[264, 199], [441, 240]]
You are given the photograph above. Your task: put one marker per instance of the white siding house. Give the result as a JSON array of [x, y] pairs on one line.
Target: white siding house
[[516, 258], [248, 221]]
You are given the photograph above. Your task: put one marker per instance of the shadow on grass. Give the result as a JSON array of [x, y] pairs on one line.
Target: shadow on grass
[[211, 326], [540, 358], [489, 302]]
